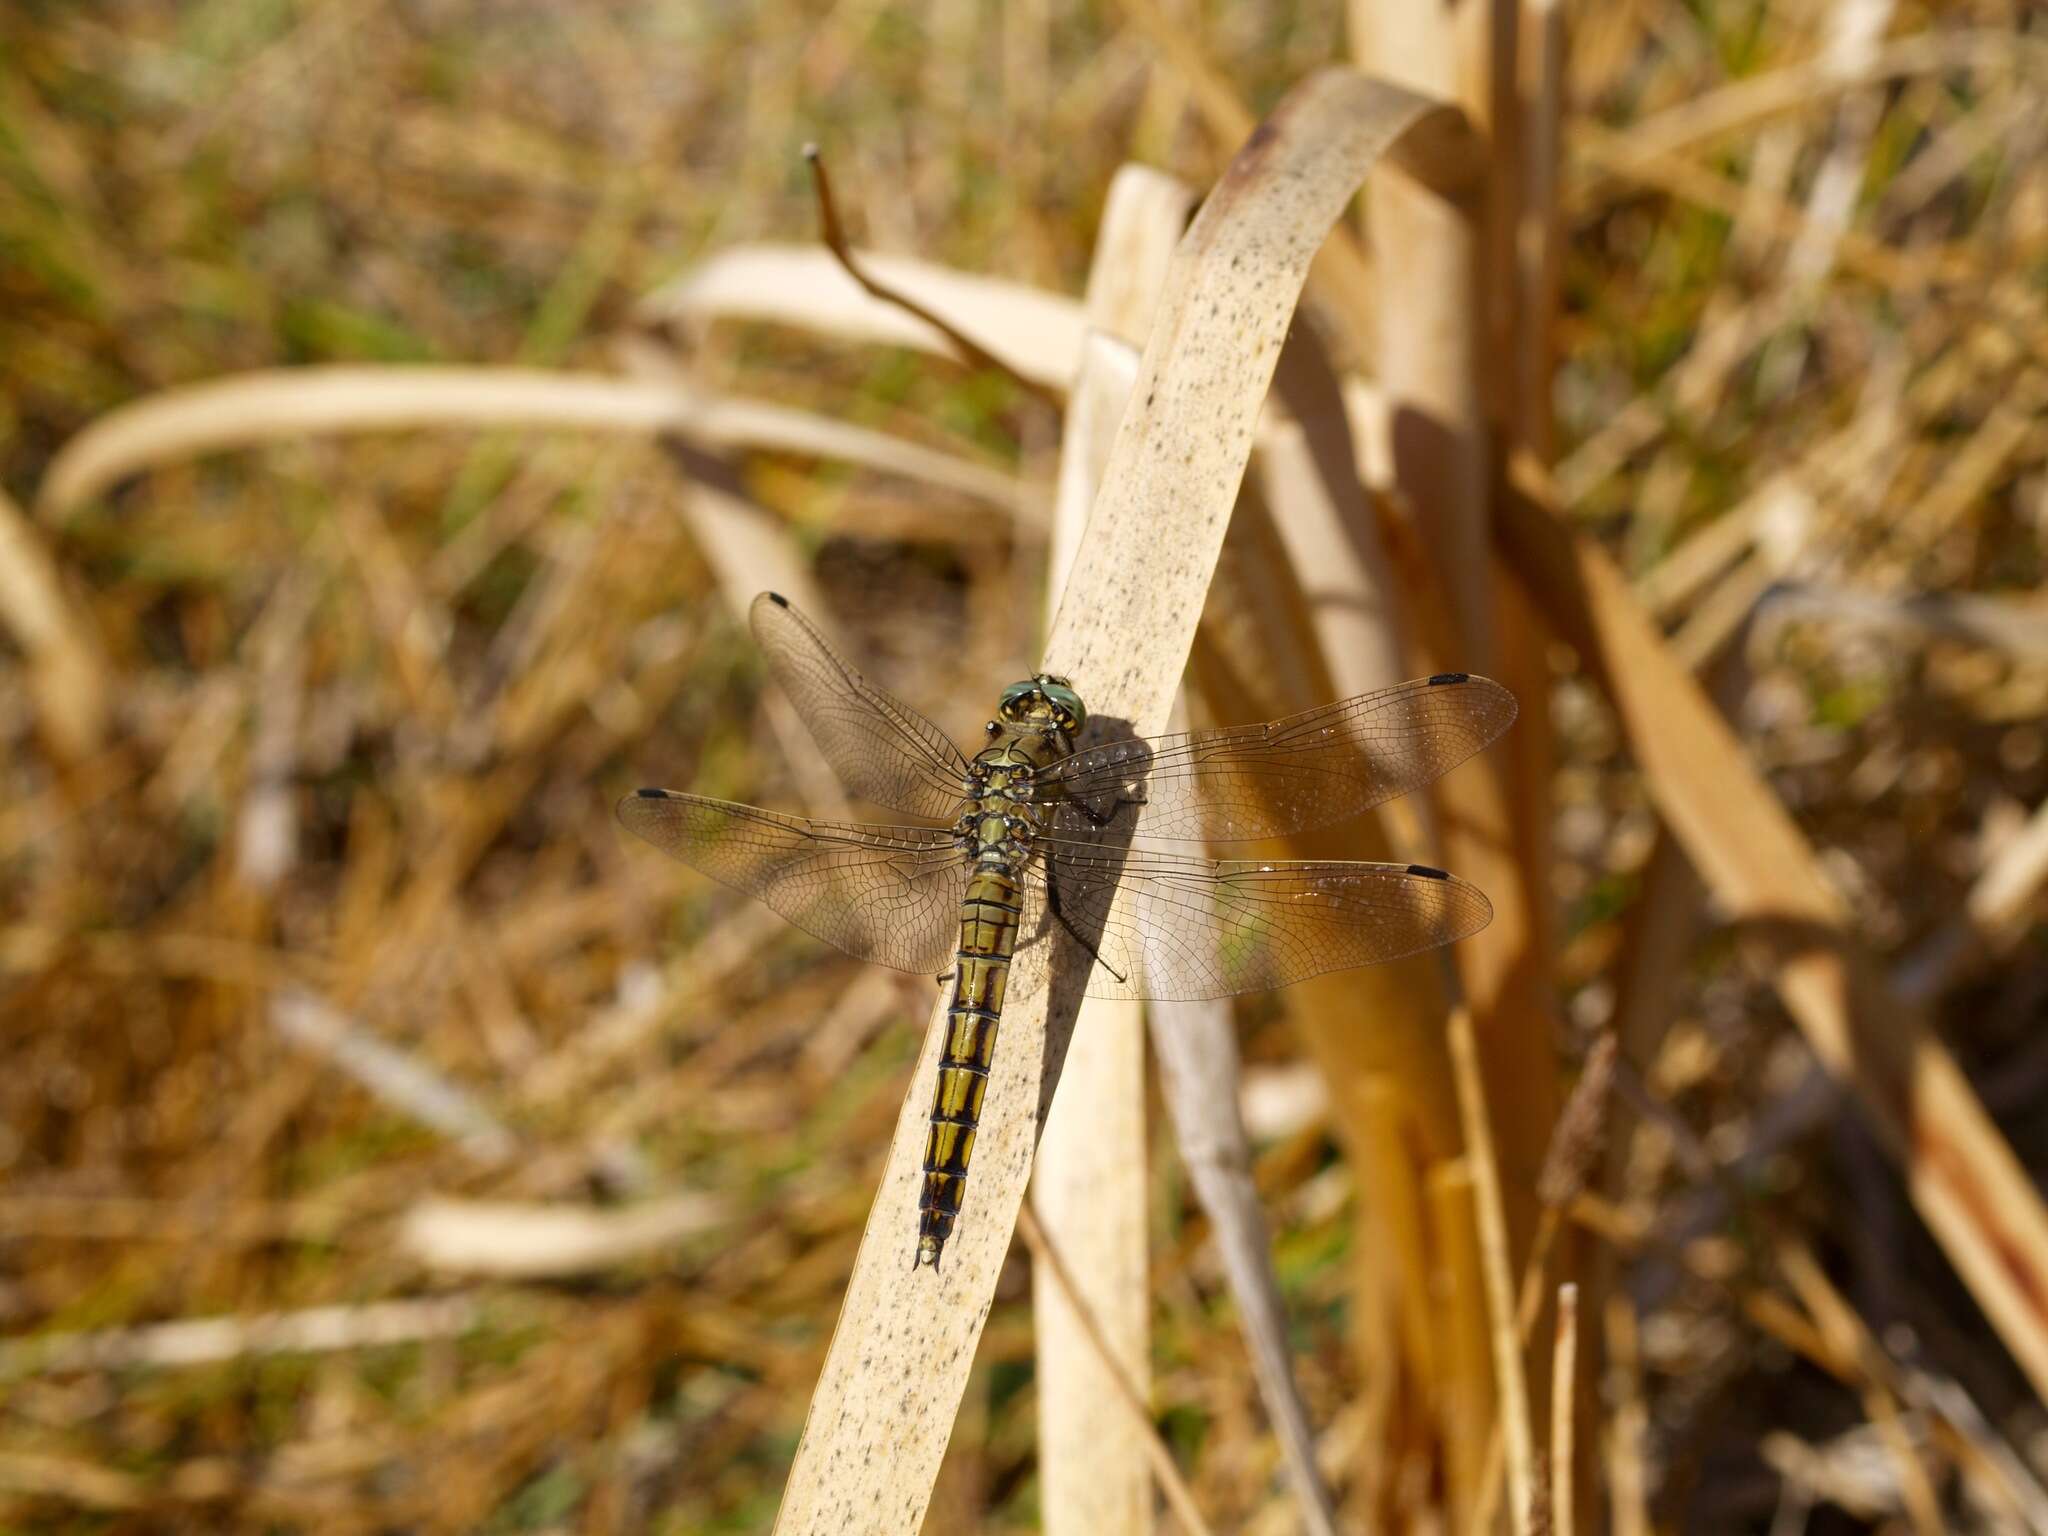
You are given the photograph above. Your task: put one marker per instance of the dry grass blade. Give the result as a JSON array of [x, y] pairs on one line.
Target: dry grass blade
[[899, 1358], [207, 1341], [1628, 1429], [531, 1242], [1963, 1177], [1850, 1339], [402, 1081], [2009, 624], [1090, 1185], [290, 403], [1574, 1149], [1036, 333], [67, 673], [1812, 83]]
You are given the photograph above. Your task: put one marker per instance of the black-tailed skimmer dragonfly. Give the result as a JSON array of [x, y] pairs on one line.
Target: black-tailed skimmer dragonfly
[[1035, 834]]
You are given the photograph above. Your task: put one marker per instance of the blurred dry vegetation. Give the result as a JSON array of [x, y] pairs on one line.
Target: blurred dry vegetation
[[386, 1146]]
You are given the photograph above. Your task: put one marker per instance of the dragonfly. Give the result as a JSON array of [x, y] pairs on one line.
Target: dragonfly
[[1037, 833]]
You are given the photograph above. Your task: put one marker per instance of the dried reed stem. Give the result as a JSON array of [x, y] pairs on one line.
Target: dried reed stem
[[1051, 1263], [899, 1358], [1496, 1264], [1564, 1373]]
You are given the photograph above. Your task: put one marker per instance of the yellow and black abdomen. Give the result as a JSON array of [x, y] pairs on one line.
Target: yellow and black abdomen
[[988, 939]]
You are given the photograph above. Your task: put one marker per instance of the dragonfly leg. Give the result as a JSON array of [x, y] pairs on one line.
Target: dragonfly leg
[[1052, 903], [1104, 818]]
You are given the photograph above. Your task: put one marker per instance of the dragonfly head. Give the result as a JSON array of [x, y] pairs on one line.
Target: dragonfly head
[[1044, 700]]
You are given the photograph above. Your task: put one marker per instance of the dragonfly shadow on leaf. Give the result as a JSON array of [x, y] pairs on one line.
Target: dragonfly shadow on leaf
[[1070, 928]]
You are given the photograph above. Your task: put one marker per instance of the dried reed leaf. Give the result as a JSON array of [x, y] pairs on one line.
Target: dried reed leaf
[[1035, 332], [1090, 1183], [1963, 1177], [531, 1242], [282, 404], [899, 1359]]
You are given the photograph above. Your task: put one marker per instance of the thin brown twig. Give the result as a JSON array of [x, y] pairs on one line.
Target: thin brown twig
[[1171, 1483], [972, 351]]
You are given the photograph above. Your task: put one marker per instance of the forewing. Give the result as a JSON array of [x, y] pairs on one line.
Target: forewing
[[1194, 928], [1285, 776], [883, 750], [887, 894]]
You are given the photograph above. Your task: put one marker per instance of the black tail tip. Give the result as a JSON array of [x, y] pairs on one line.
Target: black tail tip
[[1428, 873], [1445, 679], [777, 599], [651, 794]]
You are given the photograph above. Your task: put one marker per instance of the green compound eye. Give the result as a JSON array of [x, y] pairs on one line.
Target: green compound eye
[[1067, 705]]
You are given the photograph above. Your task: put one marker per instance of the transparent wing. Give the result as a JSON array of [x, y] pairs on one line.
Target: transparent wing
[[1193, 928], [883, 750], [1285, 776], [887, 894]]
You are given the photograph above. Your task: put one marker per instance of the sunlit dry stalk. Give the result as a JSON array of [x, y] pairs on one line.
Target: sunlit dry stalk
[[1466, 1398], [1564, 1374], [1178, 1495], [1846, 1333], [1628, 1481], [1496, 1265], [1448, 280]]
